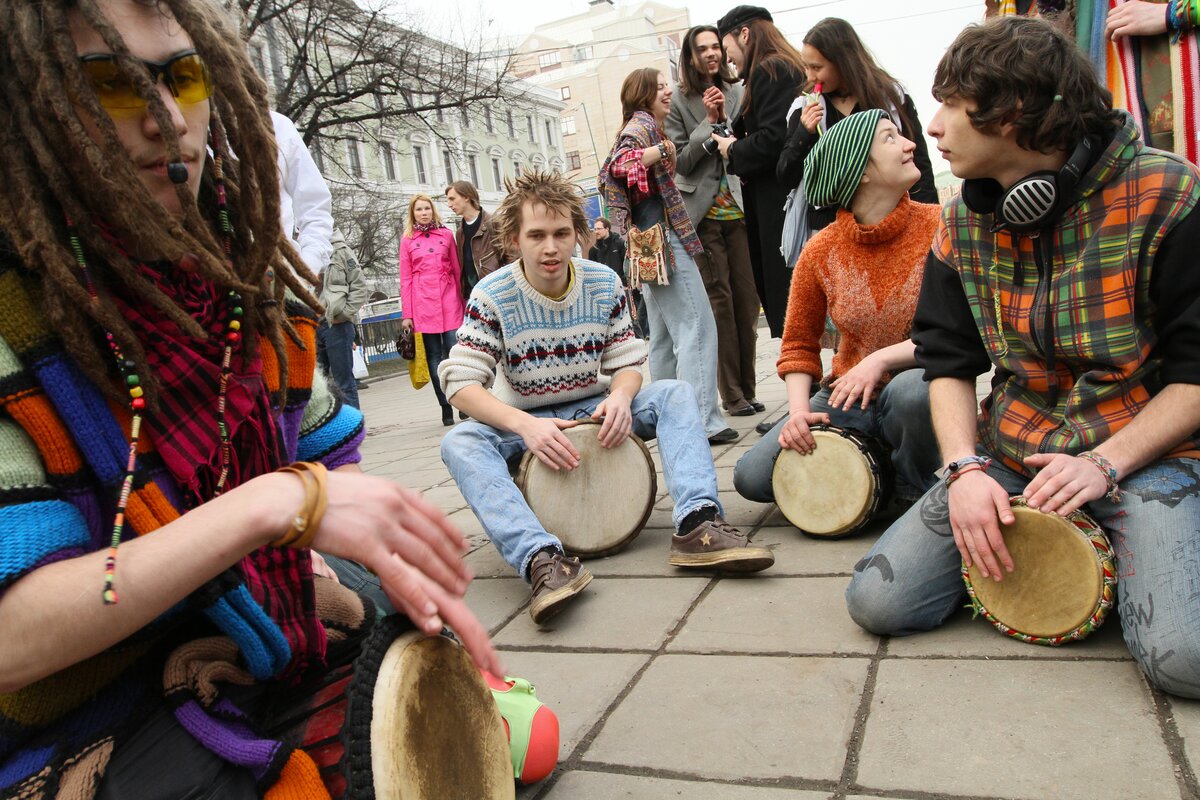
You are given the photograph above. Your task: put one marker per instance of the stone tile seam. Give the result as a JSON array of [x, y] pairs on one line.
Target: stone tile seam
[[566, 765], [840, 654], [1185, 776], [849, 774]]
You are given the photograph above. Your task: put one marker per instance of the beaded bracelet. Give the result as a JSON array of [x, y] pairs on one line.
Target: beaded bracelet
[[1108, 470], [316, 499]]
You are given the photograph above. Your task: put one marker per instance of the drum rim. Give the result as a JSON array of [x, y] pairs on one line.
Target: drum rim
[[527, 460], [1102, 549], [861, 441]]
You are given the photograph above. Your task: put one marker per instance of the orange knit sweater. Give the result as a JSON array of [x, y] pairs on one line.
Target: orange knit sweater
[[866, 278]]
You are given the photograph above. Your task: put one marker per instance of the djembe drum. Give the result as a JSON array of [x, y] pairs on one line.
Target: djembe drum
[[1063, 583], [599, 507], [833, 491]]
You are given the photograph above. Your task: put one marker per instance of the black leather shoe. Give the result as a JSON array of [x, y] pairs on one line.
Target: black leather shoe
[[447, 416], [765, 426], [724, 437], [757, 406]]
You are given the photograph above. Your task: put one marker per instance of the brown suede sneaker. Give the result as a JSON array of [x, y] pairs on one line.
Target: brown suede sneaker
[[555, 580], [719, 545]]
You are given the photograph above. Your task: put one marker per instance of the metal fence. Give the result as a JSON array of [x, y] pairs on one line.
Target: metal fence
[[379, 330]]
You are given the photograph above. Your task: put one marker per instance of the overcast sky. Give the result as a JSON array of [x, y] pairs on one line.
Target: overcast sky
[[906, 37]]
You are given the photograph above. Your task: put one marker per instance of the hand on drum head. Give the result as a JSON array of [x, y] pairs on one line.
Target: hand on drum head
[[858, 384], [795, 433], [618, 420], [543, 437], [412, 547], [1063, 483], [978, 505]]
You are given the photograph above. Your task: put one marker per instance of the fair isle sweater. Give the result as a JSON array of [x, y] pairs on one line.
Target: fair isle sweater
[[532, 351]]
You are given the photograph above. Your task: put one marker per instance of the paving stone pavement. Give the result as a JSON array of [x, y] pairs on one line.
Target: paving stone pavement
[[681, 685]]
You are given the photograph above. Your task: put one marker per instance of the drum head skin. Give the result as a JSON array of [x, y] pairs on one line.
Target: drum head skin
[[600, 506], [1056, 582], [436, 732], [828, 493]]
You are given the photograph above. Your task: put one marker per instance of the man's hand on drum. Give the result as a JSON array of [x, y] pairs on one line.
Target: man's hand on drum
[[859, 384], [795, 434], [978, 505], [618, 419], [406, 541], [1063, 483], [544, 438]]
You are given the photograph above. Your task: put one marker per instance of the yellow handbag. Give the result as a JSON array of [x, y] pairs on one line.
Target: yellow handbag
[[418, 368]]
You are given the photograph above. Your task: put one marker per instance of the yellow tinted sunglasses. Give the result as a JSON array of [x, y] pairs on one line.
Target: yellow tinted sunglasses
[[186, 75]]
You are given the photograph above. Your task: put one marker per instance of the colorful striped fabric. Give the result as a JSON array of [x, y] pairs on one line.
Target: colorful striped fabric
[[1099, 293], [62, 452]]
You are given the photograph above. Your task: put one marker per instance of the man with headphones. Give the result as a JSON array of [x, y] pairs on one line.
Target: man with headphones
[[1069, 266]]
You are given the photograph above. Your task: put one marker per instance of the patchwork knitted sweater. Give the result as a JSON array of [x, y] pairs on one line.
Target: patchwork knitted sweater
[[532, 351], [62, 453], [866, 278]]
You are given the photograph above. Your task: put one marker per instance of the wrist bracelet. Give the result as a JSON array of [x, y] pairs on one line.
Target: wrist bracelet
[[951, 477], [316, 499], [662, 150], [1107, 470], [956, 467]]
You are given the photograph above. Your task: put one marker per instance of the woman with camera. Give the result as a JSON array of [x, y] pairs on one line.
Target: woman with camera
[[708, 97], [642, 198]]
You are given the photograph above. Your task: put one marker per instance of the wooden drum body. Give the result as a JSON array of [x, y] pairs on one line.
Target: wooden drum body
[[599, 507], [833, 491], [1063, 583]]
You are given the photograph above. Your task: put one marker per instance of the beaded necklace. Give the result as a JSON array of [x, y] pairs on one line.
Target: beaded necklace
[[132, 382]]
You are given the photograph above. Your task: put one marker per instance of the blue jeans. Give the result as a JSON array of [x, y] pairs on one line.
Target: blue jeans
[[359, 579], [477, 456], [898, 417], [335, 354], [683, 335], [916, 583], [437, 347]]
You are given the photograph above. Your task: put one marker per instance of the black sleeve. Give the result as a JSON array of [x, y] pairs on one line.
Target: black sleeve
[[948, 342], [797, 143], [758, 152], [924, 190], [1175, 292], [594, 253]]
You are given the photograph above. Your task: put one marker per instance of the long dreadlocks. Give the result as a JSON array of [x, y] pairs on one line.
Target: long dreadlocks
[[52, 171]]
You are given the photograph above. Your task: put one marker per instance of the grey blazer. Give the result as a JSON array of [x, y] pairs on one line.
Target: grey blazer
[[697, 174]]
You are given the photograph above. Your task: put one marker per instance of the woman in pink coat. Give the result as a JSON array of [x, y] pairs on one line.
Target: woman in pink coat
[[430, 276]]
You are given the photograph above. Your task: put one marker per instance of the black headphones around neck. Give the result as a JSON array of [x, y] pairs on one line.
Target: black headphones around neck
[[1034, 202]]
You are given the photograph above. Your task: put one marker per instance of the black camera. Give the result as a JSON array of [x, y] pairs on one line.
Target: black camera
[[720, 129]]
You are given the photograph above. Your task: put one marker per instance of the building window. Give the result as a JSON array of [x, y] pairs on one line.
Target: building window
[[419, 163], [473, 166], [497, 174], [549, 60], [516, 168], [567, 126], [449, 161], [532, 131], [487, 119], [512, 129], [466, 117], [389, 166], [549, 132], [354, 157], [441, 114], [339, 81], [260, 62], [573, 159], [564, 93], [583, 53]]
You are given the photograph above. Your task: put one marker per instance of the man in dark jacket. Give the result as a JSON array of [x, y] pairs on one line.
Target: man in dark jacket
[[609, 250], [479, 251]]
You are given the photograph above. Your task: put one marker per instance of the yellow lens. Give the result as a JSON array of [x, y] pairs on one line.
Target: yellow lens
[[113, 89], [190, 79]]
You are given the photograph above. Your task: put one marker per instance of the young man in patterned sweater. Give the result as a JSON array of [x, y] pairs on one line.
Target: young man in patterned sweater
[[1088, 306], [540, 333]]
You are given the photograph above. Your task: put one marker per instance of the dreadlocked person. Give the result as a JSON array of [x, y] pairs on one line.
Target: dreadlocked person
[[153, 386]]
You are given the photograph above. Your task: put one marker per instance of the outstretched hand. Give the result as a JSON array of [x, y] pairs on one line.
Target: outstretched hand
[[978, 506], [796, 434]]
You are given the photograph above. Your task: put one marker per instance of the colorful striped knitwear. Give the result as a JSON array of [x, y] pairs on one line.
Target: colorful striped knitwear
[[61, 445], [532, 351]]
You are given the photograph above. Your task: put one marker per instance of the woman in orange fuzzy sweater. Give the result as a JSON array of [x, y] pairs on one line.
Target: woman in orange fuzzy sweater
[[864, 271]]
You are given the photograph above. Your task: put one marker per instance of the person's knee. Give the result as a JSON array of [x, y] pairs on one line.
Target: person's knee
[[909, 395], [872, 601], [460, 440], [1171, 662], [752, 480]]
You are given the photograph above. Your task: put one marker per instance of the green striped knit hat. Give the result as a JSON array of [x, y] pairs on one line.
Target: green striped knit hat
[[835, 166]]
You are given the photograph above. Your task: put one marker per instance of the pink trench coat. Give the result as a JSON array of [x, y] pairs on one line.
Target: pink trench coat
[[430, 277]]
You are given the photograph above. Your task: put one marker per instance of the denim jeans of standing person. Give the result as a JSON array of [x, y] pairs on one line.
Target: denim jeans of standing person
[[910, 581], [437, 347], [898, 417], [683, 335], [478, 455], [335, 354]]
